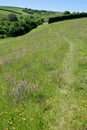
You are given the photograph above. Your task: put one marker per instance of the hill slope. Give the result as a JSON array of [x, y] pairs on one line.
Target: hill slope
[[43, 78], [9, 9], [5, 10]]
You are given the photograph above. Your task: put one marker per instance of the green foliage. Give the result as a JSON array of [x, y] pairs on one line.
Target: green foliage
[[44, 14], [66, 12], [16, 27], [67, 16], [33, 11], [12, 17]]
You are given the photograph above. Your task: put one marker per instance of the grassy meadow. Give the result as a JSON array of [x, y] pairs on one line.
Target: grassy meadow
[[43, 78], [6, 10], [10, 8]]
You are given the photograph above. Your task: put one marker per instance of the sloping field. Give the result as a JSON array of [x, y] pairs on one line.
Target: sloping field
[[43, 78], [5, 10], [10, 8]]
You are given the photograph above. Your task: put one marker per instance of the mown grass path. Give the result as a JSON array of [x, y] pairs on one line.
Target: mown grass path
[[68, 65], [68, 102]]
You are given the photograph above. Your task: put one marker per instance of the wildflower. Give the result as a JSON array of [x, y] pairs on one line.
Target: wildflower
[[20, 114], [13, 128], [23, 119], [6, 128], [10, 122]]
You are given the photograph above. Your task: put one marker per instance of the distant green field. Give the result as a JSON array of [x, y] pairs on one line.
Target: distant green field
[[43, 78], [5, 10], [16, 9]]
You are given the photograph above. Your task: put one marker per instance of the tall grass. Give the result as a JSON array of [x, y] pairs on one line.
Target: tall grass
[[43, 78]]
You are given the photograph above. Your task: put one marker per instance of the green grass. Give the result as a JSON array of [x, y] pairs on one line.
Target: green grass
[[17, 9], [10, 8], [43, 78], [7, 10]]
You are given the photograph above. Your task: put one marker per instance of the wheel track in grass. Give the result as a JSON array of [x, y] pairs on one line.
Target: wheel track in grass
[[72, 114], [67, 98], [67, 101], [69, 63]]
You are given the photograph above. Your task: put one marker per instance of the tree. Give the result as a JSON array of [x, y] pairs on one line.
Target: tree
[[12, 17], [66, 12]]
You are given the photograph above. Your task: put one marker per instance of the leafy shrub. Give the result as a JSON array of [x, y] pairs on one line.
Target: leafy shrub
[[14, 27], [15, 30], [12, 17]]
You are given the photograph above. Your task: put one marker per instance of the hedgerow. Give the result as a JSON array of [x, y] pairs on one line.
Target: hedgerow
[[67, 17]]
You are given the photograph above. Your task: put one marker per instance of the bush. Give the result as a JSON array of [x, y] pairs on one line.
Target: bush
[[12, 17], [14, 27]]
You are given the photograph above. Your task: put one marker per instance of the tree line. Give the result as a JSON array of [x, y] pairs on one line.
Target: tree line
[[33, 11], [66, 16]]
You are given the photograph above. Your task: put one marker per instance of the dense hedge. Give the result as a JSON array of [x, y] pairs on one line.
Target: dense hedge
[[13, 26], [67, 16]]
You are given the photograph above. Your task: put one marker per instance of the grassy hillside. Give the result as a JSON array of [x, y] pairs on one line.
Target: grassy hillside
[[5, 10], [8, 9], [43, 78], [42, 13], [16, 9]]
